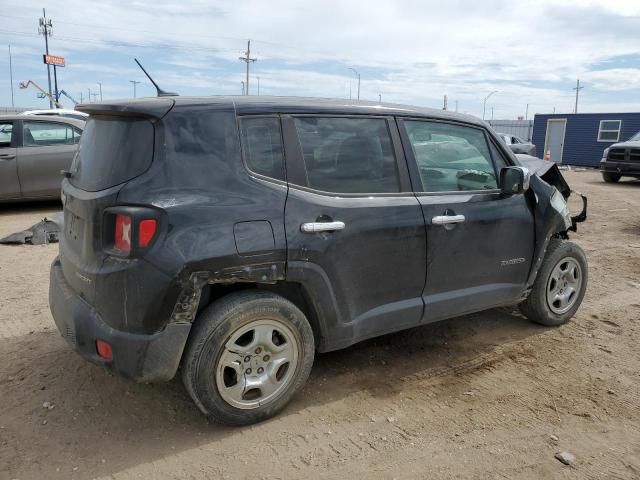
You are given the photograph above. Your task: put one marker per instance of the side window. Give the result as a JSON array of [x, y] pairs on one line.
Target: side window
[[451, 157], [262, 146], [348, 155], [498, 159], [76, 135], [47, 133], [6, 129]]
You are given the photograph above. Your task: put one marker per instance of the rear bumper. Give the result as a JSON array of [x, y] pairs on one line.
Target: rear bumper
[[622, 168], [143, 358]]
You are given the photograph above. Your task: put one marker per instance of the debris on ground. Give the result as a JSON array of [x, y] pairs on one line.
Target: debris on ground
[[43, 232], [565, 457]]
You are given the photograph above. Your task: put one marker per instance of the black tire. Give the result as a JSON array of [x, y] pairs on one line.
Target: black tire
[[611, 177], [215, 326], [537, 307]]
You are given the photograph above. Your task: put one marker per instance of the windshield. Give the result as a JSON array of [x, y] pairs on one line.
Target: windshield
[[112, 150]]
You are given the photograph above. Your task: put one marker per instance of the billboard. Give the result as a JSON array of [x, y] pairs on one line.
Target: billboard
[[53, 60]]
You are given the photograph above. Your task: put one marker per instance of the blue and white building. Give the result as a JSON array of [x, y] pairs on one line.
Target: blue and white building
[[580, 138]]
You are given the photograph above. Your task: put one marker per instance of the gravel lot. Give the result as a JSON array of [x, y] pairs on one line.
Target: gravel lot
[[483, 396]]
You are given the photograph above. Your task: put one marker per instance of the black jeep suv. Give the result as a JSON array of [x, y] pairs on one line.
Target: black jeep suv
[[232, 238]]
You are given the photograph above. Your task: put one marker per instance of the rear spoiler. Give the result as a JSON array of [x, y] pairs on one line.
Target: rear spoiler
[[154, 108]]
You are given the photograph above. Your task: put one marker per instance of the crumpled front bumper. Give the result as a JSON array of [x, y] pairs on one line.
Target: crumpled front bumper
[[143, 358]]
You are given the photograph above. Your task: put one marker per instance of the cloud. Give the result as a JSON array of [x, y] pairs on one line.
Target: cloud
[[409, 51]]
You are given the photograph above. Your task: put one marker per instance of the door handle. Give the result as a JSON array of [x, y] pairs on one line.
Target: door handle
[[7, 156], [447, 219], [313, 227]]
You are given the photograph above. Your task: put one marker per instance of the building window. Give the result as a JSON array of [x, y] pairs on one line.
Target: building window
[[609, 130]]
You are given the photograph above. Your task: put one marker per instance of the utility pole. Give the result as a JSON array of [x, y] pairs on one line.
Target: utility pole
[[484, 104], [242, 82], [444, 105], [577, 88], [134, 82], [526, 113], [89, 97], [45, 29], [456, 106], [11, 75], [81, 97], [258, 85], [100, 85], [357, 75], [247, 59], [379, 98]]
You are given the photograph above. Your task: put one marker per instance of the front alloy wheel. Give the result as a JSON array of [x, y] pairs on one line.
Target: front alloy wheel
[[560, 285], [565, 282]]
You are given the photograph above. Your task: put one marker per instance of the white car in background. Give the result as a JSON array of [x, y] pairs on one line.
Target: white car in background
[[60, 112]]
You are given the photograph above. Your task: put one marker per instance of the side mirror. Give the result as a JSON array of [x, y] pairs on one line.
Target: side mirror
[[514, 180]]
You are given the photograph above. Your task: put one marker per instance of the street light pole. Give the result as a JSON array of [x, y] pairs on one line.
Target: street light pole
[[258, 85], [484, 104], [358, 76], [100, 84]]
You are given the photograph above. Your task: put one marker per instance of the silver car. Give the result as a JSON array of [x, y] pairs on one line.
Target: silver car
[[33, 151]]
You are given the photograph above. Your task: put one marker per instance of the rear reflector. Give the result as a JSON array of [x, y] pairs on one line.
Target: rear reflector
[[104, 350], [122, 239], [147, 230]]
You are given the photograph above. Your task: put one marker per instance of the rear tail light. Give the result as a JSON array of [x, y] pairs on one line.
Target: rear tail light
[[130, 230], [146, 231], [122, 239]]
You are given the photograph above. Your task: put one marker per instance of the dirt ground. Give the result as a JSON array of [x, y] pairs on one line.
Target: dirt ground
[[483, 396]]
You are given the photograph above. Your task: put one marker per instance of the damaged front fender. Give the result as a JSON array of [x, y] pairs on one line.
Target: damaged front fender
[[549, 192]]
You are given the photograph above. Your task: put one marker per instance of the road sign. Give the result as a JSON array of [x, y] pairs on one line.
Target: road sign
[[53, 60]]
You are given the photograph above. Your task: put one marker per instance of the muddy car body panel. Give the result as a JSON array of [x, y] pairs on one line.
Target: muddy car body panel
[[393, 258]]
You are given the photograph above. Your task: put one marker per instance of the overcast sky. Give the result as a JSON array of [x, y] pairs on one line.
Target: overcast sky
[[407, 51]]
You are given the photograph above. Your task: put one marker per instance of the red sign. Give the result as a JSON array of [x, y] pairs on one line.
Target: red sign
[[53, 60]]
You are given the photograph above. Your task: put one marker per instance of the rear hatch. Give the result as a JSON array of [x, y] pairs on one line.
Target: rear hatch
[[116, 146]]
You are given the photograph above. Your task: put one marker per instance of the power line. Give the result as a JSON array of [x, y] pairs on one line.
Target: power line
[[247, 59], [113, 43]]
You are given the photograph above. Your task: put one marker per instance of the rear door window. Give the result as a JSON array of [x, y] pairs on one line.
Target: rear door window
[[112, 150], [348, 155], [451, 157], [262, 146]]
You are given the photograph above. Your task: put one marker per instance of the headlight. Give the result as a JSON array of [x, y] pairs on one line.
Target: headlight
[[604, 155], [559, 205]]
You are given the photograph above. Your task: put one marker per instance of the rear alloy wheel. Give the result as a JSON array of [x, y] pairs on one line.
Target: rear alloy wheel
[[257, 364], [248, 354], [611, 177], [560, 285]]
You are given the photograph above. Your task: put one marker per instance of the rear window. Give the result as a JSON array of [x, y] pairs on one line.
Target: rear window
[[112, 150]]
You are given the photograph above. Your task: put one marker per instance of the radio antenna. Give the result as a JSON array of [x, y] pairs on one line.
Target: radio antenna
[[160, 92]]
